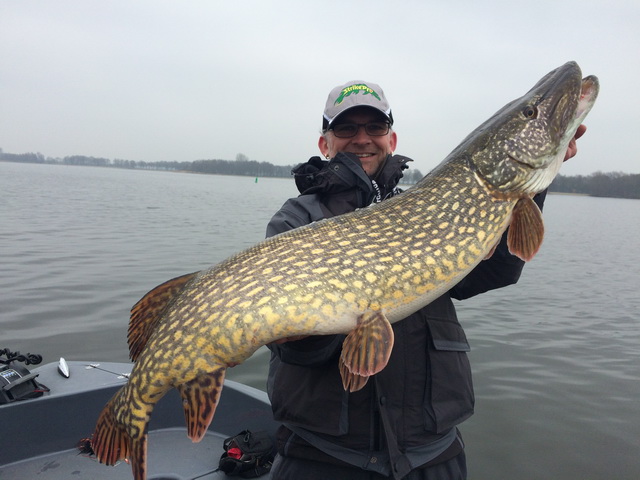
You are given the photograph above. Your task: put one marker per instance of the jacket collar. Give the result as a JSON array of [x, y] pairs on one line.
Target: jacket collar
[[344, 171]]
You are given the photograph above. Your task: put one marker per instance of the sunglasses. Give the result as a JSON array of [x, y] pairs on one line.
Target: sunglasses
[[348, 130]]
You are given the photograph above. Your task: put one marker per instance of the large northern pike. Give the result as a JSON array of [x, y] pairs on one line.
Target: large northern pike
[[355, 274]]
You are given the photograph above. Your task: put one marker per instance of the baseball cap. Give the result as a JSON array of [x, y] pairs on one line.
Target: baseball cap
[[356, 93]]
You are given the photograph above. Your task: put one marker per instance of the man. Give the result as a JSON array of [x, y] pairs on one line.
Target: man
[[402, 424]]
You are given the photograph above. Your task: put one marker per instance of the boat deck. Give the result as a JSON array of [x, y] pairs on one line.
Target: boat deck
[[40, 436], [170, 451]]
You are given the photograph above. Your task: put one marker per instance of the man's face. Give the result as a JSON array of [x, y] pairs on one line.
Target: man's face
[[371, 150]]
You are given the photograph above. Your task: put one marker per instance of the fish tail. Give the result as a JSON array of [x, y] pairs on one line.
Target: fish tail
[[111, 441], [138, 457]]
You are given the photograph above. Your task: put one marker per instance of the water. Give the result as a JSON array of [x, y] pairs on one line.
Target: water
[[556, 358]]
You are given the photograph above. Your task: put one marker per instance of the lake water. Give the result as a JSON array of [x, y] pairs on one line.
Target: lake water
[[556, 358]]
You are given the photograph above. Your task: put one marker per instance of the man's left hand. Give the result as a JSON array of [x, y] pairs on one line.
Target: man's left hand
[[573, 148]]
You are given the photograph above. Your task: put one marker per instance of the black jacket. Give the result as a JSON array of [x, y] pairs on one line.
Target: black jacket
[[406, 415]]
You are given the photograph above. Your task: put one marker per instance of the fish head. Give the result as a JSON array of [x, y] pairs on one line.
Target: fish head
[[520, 149]]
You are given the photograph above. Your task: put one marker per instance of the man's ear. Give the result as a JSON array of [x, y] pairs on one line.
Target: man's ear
[[323, 145], [393, 141]]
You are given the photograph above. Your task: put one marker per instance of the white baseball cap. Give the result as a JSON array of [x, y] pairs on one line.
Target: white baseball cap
[[356, 93]]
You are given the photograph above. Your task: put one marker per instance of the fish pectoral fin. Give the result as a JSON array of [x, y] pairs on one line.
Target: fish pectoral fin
[[200, 398], [148, 310], [366, 349], [526, 230]]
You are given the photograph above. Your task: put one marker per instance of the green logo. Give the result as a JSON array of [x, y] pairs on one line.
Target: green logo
[[355, 89]]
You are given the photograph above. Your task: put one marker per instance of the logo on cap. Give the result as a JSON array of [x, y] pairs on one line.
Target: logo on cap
[[356, 89]]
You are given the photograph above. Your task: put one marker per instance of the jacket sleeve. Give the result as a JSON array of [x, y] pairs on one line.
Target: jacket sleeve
[[285, 219], [312, 351], [501, 270], [295, 213]]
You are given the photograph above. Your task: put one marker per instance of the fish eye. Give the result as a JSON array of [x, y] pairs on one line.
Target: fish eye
[[530, 111]]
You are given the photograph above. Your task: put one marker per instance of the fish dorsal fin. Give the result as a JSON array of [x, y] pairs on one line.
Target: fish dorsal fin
[[148, 310], [366, 350], [526, 230], [200, 398]]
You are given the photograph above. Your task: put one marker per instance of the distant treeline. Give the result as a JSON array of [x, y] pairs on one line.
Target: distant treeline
[[599, 184], [240, 166]]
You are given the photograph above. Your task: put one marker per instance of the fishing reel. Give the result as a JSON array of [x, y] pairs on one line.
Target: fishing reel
[[16, 381]]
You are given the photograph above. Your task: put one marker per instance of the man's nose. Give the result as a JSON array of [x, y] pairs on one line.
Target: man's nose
[[361, 135]]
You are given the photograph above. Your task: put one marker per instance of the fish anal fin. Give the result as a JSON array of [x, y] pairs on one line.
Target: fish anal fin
[[366, 349], [526, 230], [148, 310], [200, 398]]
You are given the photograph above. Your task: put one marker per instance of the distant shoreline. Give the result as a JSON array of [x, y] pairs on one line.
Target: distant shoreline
[[599, 184]]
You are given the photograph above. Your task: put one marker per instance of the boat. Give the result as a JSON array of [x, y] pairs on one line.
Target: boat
[[47, 437]]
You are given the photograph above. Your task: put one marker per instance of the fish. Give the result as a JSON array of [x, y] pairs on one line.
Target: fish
[[354, 274]]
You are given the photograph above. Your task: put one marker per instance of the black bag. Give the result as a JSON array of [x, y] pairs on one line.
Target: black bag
[[248, 454], [18, 383]]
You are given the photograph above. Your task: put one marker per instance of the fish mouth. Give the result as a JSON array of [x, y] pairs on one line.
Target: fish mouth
[[589, 89], [544, 176], [535, 131], [588, 95]]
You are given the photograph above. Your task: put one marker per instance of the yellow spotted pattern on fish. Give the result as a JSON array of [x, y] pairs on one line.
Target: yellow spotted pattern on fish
[[353, 274]]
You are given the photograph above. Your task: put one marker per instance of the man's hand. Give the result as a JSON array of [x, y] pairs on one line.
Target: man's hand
[[573, 148], [290, 339]]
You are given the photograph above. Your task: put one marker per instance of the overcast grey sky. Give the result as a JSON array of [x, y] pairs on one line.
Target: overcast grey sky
[[183, 80]]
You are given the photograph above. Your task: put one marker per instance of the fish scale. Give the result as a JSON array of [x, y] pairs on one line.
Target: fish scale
[[387, 258], [354, 274]]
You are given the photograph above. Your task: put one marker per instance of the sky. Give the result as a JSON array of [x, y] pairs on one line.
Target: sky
[[155, 80]]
